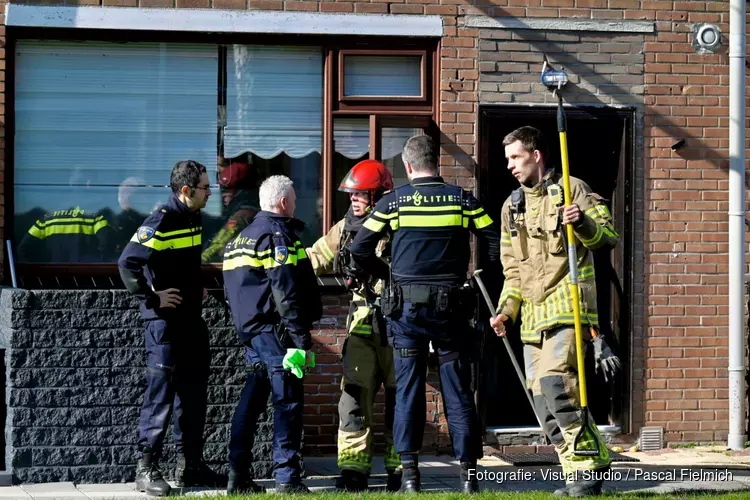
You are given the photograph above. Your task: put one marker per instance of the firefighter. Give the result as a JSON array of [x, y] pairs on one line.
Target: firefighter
[[425, 301], [273, 295], [161, 265], [71, 235], [237, 189], [368, 360], [535, 264]]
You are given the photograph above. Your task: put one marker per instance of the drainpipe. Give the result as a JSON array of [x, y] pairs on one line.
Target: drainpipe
[[737, 393]]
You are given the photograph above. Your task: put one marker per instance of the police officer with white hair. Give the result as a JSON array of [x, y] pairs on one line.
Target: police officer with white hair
[[273, 294]]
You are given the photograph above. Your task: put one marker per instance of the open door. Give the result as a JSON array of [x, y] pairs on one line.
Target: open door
[[600, 148]]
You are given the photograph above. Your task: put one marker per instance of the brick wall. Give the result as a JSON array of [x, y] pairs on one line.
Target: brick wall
[[680, 279]]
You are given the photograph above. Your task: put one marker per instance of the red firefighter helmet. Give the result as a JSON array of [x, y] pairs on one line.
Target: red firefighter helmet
[[233, 175], [368, 176]]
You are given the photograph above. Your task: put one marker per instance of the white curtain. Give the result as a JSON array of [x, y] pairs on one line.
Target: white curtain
[[274, 101], [352, 138]]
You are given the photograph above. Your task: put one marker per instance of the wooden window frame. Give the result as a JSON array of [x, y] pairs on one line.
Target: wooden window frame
[[423, 76], [383, 111]]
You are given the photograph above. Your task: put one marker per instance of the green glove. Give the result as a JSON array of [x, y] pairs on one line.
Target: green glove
[[298, 360]]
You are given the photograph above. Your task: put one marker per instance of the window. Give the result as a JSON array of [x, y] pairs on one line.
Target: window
[[378, 76], [99, 125]]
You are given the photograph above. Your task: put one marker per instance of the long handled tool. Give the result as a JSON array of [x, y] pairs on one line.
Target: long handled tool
[[509, 349], [586, 443]]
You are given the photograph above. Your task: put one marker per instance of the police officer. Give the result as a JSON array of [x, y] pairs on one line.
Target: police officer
[[535, 263], [430, 221], [71, 235], [161, 265], [368, 360], [273, 294]]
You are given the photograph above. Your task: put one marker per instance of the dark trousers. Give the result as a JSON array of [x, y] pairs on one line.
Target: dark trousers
[[286, 396], [177, 365], [410, 335]]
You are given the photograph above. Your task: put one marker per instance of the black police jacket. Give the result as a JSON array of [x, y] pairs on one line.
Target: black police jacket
[[269, 281], [430, 221], [165, 252]]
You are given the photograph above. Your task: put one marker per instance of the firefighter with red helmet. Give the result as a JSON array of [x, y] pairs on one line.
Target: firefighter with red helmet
[[367, 358], [239, 197]]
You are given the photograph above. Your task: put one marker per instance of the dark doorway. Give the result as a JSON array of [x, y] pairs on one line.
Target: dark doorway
[[600, 148]]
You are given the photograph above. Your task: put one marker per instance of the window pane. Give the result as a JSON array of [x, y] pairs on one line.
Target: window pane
[[98, 128], [274, 125], [383, 76], [393, 142], [351, 138]]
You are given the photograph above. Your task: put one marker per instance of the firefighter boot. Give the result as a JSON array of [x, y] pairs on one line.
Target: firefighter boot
[[469, 483], [195, 473], [352, 480], [240, 483], [410, 482], [591, 486], [394, 480], [148, 477]]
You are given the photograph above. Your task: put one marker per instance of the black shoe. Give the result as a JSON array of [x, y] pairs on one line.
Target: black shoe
[[469, 482], [352, 480], [588, 488], [394, 480], [148, 477], [292, 488], [241, 483], [563, 492], [410, 481], [196, 473]]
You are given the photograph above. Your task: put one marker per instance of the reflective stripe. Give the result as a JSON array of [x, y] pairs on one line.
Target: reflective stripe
[[175, 243], [384, 216], [248, 258], [441, 208], [445, 220], [171, 234], [505, 239], [75, 225], [482, 222], [373, 225], [394, 224], [325, 250], [596, 238], [473, 212]]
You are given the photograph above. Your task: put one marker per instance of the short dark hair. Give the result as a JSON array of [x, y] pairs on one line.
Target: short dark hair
[[186, 173], [420, 153], [531, 139]]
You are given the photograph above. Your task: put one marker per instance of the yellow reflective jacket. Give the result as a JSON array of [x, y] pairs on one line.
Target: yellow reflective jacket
[[535, 260], [322, 255]]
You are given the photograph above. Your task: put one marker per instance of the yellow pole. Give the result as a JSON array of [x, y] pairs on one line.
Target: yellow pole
[[573, 264]]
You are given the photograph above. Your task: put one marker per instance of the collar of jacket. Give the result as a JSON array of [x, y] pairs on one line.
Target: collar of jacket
[[175, 204], [292, 223], [427, 180], [540, 189]]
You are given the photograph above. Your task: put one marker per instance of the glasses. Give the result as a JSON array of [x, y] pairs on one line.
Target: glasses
[[204, 188]]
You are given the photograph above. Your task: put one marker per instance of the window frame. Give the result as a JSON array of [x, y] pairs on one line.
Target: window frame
[[422, 112], [423, 77]]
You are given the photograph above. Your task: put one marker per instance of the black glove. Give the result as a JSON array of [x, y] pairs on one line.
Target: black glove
[[606, 360]]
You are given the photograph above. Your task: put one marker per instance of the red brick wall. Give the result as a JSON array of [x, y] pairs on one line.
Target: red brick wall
[[680, 275]]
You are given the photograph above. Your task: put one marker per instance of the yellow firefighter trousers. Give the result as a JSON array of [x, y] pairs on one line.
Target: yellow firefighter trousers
[[552, 376], [368, 364]]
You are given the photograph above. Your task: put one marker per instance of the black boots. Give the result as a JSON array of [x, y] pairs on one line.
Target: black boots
[[589, 485], [148, 477], [394, 480], [469, 482], [240, 483], [352, 480], [292, 488], [195, 473], [410, 482]]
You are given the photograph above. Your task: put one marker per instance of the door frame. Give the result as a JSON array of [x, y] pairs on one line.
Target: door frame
[[625, 223]]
